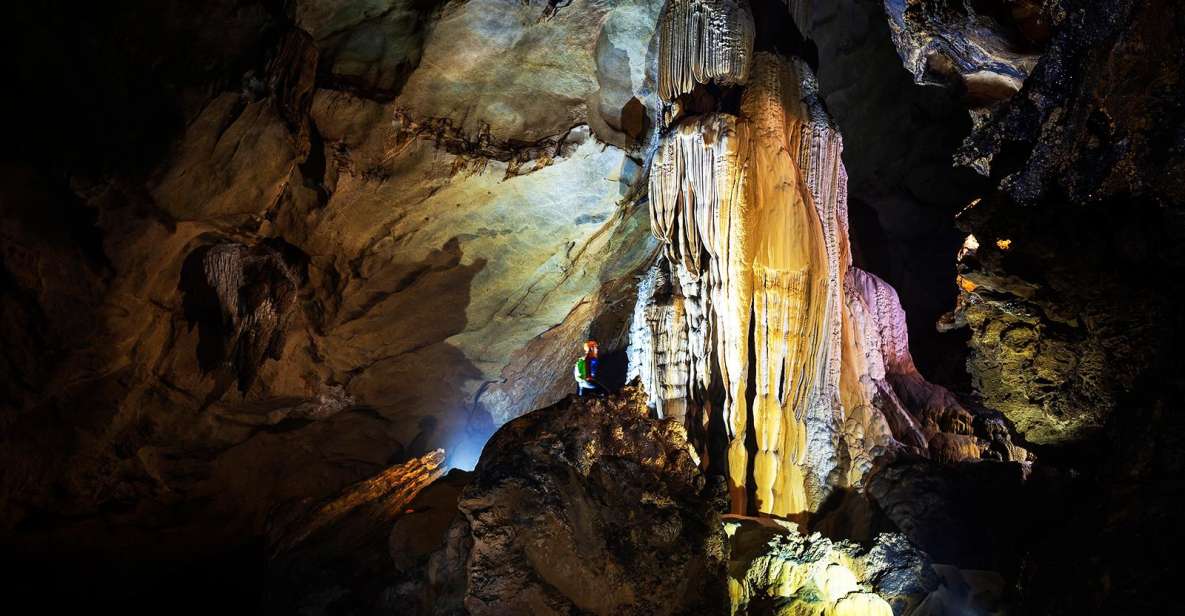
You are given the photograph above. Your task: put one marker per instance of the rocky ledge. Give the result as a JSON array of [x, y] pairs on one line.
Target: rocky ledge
[[589, 506]]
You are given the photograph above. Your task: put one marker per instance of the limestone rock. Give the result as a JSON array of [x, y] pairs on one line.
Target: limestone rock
[[988, 47], [372, 46], [233, 162], [1054, 342], [496, 97], [321, 240], [703, 41], [757, 283], [774, 569], [898, 143], [588, 505], [241, 301], [1083, 226], [332, 555]]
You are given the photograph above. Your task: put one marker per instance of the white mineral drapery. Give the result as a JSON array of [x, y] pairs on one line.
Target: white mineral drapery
[[703, 41], [752, 213]]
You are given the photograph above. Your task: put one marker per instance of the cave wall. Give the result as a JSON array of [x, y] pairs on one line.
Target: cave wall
[[277, 246], [1070, 282], [902, 188]]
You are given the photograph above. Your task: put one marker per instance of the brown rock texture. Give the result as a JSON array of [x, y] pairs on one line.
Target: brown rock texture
[[282, 246], [337, 213], [1057, 340], [261, 261], [332, 555], [587, 506], [1070, 287]]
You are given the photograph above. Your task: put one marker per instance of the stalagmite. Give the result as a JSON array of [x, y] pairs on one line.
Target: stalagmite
[[703, 41], [670, 361], [805, 356], [697, 178], [794, 242], [875, 421]]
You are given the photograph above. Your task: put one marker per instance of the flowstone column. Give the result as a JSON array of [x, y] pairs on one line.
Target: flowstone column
[[764, 317]]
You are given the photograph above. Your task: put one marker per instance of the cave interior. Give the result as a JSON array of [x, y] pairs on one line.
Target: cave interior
[[886, 296]]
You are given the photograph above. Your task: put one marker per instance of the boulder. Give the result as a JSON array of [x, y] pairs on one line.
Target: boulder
[[588, 506]]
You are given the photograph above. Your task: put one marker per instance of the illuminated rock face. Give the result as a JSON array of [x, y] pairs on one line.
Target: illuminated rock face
[[989, 47], [776, 570], [755, 312], [334, 551], [394, 216]]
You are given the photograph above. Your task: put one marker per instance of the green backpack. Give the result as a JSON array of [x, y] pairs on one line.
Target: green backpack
[[582, 368]]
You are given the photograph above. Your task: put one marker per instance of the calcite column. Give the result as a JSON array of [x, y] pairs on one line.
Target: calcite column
[[751, 208]]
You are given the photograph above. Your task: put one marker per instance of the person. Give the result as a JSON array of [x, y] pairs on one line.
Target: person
[[585, 370]]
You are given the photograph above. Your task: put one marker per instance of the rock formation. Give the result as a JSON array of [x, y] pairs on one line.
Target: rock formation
[[773, 569], [757, 283], [1069, 286], [260, 260], [331, 556], [585, 506], [314, 224], [988, 48], [703, 41]]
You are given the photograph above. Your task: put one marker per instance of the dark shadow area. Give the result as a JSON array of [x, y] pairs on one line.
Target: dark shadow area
[[64, 580], [904, 190]]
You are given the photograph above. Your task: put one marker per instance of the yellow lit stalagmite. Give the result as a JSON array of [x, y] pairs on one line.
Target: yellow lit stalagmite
[[761, 316], [791, 278], [732, 191]]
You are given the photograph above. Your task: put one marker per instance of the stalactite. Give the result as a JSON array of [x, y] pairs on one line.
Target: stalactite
[[669, 360], [698, 319], [669, 340], [703, 41], [800, 12], [699, 204], [639, 360], [697, 175], [731, 190]]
